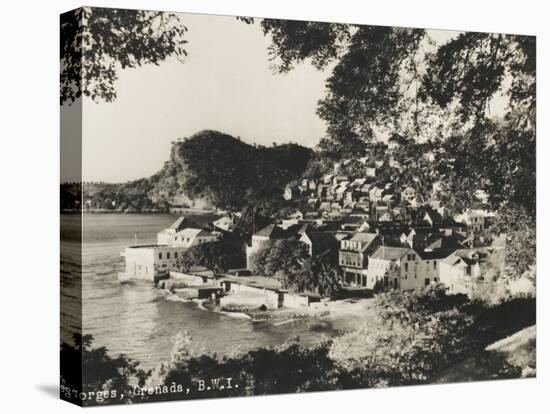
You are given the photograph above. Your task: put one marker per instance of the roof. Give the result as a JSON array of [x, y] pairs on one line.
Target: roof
[[435, 254], [272, 231], [362, 237], [390, 253], [453, 260], [357, 209], [451, 222], [442, 242], [193, 232], [181, 223], [434, 216], [352, 220], [358, 181], [466, 256], [321, 240]]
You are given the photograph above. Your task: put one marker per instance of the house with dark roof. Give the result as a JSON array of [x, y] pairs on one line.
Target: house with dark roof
[[460, 271], [261, 237], [430, 240], [353, 256], [432, 247], [396, 267], [226, 222], [319, 243], [475, 221], [166, 236]]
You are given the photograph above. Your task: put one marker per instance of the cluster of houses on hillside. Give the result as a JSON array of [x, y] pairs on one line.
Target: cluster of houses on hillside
[[390, 254], [378, 235], [370, 254]]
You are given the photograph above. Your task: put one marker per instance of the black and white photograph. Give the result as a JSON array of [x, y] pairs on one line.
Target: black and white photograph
[[243, 207], [256, 206]]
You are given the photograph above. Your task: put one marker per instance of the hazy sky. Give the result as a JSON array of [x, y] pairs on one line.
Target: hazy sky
[[226, 84]]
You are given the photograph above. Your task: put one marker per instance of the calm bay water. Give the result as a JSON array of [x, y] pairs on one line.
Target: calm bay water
[[137, 319]]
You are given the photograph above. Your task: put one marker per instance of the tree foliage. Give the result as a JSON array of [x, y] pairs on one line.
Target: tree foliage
[[90, 376], [210, 169], [438, 92], [318, 275], [403, 81], [410, 336], [96, 43], [521, 239], [233, 174], [217, 256], [282, 259], [414, 335]]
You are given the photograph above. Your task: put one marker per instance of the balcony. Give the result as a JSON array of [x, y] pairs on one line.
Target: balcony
[[350, 259]]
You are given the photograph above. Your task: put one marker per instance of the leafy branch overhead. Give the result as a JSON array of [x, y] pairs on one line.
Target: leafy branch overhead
[[96, 43], [392, 80]]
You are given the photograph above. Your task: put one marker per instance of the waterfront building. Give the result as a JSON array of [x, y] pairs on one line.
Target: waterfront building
[[396, 267], [192, 237], [353, 257], [166, 236], [148, 262]]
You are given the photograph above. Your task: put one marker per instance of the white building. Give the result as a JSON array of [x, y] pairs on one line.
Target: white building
[[459, 271], [475, 221], [409, 195], [385, 266], [166, 236], [397, 267], [375, 194], [227, 222], [288, 193], [147, 262], [192, 237]]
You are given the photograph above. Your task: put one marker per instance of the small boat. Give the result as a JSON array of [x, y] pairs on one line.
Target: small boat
[[260, 319], [124, 277]]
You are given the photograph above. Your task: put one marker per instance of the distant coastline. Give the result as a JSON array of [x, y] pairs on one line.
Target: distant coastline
[[193, 211]]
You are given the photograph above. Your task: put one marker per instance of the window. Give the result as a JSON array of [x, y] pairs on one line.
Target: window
[[406, 267], [176, 255], [168, 255], [160, 256], [435, 265]]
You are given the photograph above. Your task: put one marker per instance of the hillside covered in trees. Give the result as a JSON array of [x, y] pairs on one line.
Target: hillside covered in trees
[[207, 170]]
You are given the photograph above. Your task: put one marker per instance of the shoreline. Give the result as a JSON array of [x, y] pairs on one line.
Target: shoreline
[[341, 315], [185, 211]]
